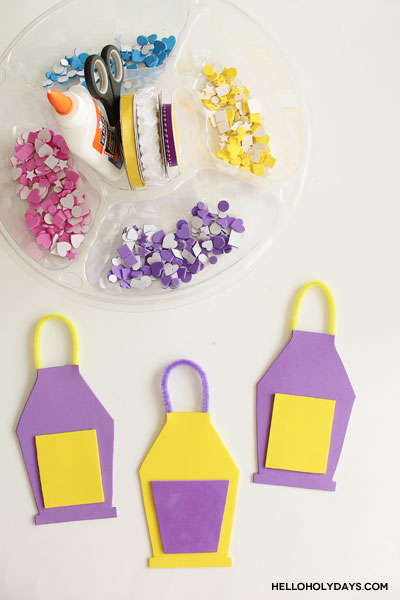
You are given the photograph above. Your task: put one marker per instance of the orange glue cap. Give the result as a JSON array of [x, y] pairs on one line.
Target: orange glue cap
[[62, 103]]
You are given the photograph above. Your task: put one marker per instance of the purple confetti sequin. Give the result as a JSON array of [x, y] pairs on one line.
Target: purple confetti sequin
[[166, 280], [187, 278], [157, 268], [218, 242], [142, 262], [158, 236], [183, 232], [167, 255], [146, 269], [130, 259], [237, 225], [223, 206]]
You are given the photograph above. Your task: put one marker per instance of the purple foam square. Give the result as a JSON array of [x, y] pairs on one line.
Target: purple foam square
[[190, 514], [124, 250], [130, 259]]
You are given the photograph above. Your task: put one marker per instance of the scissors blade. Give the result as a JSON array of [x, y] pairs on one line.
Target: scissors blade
[[111, 56], [99, 85]]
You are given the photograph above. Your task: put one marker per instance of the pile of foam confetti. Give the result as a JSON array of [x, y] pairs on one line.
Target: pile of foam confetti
[[68, 68], [58, 215], [149, 51], [237, 119], [149, 254]]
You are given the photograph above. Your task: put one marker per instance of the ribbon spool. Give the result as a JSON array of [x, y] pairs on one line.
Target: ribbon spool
[[129, 142], [166, 132], [169, 135]]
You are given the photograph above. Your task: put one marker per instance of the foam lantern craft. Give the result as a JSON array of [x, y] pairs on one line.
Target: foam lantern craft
[[67, 441], [304, 402], [189, 485]]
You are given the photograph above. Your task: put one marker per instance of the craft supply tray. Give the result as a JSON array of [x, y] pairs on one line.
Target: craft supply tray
[[207, 32]]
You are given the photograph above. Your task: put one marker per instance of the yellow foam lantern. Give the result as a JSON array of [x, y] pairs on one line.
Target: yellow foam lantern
[[189, 485]]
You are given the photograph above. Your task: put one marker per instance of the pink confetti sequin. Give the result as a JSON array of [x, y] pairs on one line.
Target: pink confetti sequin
[[44, 185]]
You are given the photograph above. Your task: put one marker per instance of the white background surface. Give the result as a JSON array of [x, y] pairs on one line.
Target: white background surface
[[345, 232]]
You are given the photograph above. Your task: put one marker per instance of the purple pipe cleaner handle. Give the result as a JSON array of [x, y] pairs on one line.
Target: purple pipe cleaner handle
[[164, 382]]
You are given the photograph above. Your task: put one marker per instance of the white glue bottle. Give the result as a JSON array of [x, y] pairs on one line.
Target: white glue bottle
[[87, 131]]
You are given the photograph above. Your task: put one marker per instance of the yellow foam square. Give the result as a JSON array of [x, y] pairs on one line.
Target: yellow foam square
[[258, 169], [269, 161], [255, 118], [300, 433], [69, 468]]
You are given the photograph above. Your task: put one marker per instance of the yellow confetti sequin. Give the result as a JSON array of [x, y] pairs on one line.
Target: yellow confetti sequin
[[224, 154], [235, 125], [208, 70], [257, 169], [255, 118], [232, 72], [209, 105], [269, 161]]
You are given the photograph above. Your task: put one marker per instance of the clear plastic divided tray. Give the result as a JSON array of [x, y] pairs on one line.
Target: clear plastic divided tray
[[208, 32]]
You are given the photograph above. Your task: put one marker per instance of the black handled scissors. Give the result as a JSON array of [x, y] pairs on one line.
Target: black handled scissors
[[103, 83]]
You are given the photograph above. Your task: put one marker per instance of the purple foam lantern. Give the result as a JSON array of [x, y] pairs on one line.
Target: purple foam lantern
[[61, 402], [308, 368]]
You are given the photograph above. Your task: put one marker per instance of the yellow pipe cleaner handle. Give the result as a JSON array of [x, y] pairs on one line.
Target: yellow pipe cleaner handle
[[331, 304], [38, 331]]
